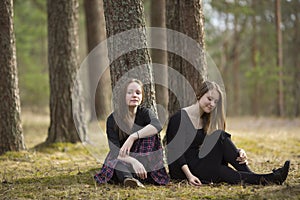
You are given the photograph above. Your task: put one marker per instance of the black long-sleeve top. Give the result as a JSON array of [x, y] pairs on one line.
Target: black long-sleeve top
[[183, 142], [144, 117]]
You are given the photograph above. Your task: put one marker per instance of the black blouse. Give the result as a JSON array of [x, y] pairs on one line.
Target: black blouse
[[183, 140], [144, 117]]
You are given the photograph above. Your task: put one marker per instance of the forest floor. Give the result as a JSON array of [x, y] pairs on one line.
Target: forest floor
[[65, 171]]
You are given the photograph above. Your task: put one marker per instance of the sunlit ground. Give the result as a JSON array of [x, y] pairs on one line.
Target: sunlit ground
[[65, 171]]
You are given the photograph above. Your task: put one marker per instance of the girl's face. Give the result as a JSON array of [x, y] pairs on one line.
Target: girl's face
[[209, 100], [134, 94]]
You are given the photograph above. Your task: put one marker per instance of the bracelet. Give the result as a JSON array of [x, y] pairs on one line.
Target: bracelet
[[138, 134]]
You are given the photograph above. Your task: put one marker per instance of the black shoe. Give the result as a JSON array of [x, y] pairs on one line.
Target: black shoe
[[280, 174]]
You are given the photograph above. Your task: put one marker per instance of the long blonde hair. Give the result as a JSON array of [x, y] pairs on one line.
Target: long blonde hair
[[214, 120], [121, 110]]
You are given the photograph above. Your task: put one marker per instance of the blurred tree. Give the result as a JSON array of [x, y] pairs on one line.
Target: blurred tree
[[254, 52], [121, 16], [279, 61], [185, 16], [95, 28], [65, 114], [11, 132], [158, 19]]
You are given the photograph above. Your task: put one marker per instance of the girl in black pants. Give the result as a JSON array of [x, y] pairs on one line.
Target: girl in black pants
[[199, 150]]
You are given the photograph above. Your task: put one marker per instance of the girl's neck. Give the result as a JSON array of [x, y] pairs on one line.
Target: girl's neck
[[132, 111], [195, 110]]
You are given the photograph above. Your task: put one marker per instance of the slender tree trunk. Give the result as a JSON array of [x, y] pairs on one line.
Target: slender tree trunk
[[185, 16], [255, 94], [95, 27], [279, 60], [11, 132], [65, 114], [122, 16], [158, 19], [236, 66]]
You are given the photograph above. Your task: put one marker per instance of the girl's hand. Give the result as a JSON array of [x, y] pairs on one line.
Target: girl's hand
[[125, 149], [139, 169], [242, 157], [193, 180]]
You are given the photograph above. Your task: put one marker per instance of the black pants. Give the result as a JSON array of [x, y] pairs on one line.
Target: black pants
[[214, 166], [122, 171]]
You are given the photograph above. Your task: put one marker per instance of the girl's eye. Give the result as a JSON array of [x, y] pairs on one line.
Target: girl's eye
[[209, 98]]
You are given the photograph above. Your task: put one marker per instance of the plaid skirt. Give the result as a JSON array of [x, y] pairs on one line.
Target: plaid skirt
[[148, 151]]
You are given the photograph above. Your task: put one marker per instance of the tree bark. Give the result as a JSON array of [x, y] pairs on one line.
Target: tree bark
[[122, 16], [236, 67], [254, 52], [296, 59], [158, 19], [11, 132], [185, 16], [95, 28], [279, 60], [63, 66]]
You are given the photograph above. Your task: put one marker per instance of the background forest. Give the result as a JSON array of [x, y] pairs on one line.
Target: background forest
[[44, 155], [240, 37]]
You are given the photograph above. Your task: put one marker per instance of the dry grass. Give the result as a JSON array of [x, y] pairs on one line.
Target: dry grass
[[65, 171]]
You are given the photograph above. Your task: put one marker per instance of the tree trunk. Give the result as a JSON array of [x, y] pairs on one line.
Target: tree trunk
[[95, 28], [158, 19], [296, 59], [255, 94], [236, 67], [185, 16], [279, 60], [11, 132], [122, 16], [65, 114]]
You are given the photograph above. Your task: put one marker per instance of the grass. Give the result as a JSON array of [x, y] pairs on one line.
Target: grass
[[65, 171]]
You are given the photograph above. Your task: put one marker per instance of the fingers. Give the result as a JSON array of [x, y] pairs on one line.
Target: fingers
[[195, 182], [242, 159], [142, 174]]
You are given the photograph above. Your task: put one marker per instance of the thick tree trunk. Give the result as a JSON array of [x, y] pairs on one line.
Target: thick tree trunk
[[122, 16], [296, 59], [185, 16], [95, 28], [279, 60], [158, 19], [63, 66], [11, 135]]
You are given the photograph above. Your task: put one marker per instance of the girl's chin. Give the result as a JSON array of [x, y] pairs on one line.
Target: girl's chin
[[133, 105]]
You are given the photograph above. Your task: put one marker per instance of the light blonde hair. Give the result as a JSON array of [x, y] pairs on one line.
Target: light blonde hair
[[214, 120]]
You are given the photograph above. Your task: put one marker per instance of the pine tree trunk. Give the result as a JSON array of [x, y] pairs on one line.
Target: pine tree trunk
[[63, 66], [279, 61], [95, 28], [185, 16], [121, 16], [296, 59], [11, 134], [158, 56], [255, 94], [236, 68]]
